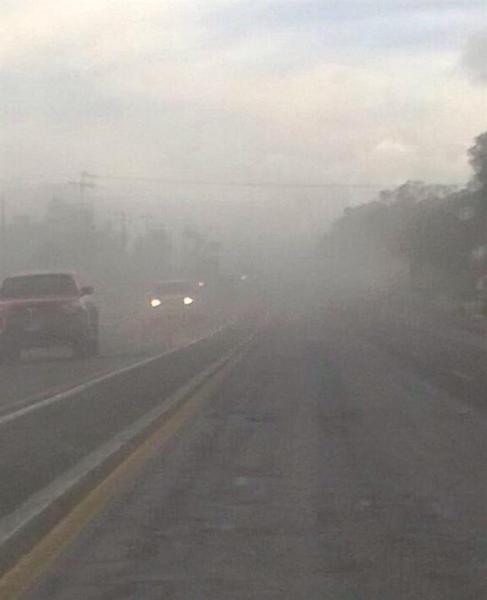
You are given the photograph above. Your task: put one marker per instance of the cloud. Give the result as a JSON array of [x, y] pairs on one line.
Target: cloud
[[354, 23], [474, 58], [225, 88], [389, 146]]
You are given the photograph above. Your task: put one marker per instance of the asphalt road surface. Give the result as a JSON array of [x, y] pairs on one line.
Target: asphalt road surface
[[125, 340], [343, 458], [41, 444]]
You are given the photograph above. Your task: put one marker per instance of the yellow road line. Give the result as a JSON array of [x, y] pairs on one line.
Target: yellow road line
[[34, 564]]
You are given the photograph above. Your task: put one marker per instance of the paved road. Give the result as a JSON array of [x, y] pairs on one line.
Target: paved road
[[43, 444], [126, 339], [335, 463]]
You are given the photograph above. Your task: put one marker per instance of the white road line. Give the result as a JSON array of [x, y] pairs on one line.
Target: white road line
[[16, 414], [463, 376], [38, 503]]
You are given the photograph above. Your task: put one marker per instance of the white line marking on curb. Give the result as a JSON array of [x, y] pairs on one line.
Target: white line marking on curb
[[39, 502], [16, 414], [463, 376]]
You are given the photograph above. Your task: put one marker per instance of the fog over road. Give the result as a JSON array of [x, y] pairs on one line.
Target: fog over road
[[261, 231], [344, 457], [128, 335]]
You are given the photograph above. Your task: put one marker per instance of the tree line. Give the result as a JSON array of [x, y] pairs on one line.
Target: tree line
[[439, 232], [68, 236]]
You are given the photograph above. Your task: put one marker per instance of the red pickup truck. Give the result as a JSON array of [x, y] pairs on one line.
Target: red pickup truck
[[47, 309]]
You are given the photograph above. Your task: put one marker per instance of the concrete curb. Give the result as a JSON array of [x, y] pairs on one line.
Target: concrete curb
[[20, 530]]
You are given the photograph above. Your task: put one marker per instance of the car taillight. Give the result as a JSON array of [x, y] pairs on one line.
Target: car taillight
[[71, 308]]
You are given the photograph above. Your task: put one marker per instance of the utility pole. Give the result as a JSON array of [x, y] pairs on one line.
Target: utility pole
[[85, 182], [3, 234], [124, 235], [148, 219]]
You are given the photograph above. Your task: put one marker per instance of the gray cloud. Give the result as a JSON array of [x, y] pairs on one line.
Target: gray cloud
[[278, 14], [244, 90], [474, 58]]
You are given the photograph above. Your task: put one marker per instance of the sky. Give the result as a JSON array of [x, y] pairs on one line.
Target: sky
[[344, 91]]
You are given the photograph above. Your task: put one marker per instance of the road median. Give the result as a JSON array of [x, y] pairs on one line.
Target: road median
[[55, 472]]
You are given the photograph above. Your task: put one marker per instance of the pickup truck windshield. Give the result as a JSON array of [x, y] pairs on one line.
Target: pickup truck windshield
[[32, 286]]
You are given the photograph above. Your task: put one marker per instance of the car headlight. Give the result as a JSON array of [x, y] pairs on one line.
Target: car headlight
[[187, 300], [155, 302]]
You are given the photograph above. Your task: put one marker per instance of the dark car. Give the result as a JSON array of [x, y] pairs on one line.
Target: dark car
[[47, 309]]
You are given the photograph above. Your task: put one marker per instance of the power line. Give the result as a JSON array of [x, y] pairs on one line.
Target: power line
[[237, 184]]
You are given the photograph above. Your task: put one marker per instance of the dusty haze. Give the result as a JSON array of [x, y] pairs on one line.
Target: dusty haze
[[197, 99]]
